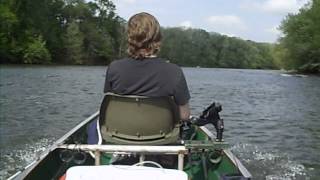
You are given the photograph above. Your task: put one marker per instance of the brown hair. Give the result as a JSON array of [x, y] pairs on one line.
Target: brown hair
[[144, 36]]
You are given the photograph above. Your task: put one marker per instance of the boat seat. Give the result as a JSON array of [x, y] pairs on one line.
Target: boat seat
[[126, 119]]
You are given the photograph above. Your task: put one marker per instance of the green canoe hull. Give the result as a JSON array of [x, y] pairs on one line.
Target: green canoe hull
[[50, 166]]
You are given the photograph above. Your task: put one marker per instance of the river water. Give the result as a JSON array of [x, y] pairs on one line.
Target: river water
[[272, 120]]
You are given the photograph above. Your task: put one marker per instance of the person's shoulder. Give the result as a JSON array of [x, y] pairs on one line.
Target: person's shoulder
[[118, 62], [168, 64]]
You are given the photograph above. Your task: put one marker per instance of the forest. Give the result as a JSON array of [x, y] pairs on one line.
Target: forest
[[91, 33], [299, 48]]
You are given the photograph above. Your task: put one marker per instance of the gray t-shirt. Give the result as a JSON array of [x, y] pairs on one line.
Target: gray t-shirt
[[153, 77]]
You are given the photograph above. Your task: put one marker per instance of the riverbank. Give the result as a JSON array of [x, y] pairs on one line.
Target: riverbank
[[315, 72]]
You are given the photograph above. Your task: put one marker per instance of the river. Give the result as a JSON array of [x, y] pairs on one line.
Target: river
[[272, 120]]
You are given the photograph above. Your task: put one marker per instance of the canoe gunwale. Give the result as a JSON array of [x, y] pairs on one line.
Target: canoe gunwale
[[238, 163], [230, 155], [26, 170]]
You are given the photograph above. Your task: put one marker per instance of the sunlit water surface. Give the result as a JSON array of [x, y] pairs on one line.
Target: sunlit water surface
[[272, 120]]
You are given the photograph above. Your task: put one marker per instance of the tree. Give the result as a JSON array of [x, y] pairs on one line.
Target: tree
[[301, 41], [36, 52], [8, 21], [90, 32], [74, 31], [196, 47], [73, 41]]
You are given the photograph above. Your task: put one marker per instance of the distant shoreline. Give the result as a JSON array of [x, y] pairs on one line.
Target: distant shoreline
[[290, 72]]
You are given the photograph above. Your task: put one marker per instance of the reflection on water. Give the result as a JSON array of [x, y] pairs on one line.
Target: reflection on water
[[272, 120]]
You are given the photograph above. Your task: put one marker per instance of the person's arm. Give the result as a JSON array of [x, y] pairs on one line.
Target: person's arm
[[107, 83], [184, 111], [182, 97]]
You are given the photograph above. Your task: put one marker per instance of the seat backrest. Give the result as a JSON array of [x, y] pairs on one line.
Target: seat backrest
[[139, 120]]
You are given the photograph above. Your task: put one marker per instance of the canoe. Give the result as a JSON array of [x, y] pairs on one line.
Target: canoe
[[200, 158]]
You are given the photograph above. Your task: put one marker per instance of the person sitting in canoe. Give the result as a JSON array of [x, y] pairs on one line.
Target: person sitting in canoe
[[142, 72]]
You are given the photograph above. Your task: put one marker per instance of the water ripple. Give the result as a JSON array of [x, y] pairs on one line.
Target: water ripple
[[271, 120]]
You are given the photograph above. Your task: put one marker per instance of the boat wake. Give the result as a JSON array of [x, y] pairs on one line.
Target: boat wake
[[273, 165], [294, 75], [14, 160]]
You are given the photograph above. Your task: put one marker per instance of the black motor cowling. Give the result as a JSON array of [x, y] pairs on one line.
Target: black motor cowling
[[211, 115]]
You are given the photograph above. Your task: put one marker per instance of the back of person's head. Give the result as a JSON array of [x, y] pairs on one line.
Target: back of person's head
[[144, 36]]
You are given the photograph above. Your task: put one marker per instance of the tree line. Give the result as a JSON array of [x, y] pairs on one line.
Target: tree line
[[81, 32], [299, 48], [59, 31], [196, 47]]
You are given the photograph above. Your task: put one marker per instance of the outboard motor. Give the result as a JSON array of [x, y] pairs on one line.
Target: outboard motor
[[211, 115]]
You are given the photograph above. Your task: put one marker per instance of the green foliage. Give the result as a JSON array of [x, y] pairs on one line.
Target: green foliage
[[280, 53], [89, 32], [36, 52], [196, 47], [98, 26], [8, 20], [301, 41], [73, 41], [75, 31]]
